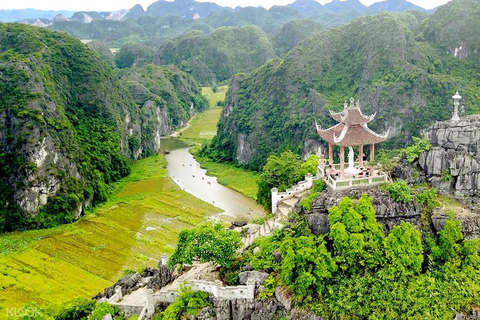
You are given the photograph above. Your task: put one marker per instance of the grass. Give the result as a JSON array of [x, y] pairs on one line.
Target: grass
[[132, 230], [202, 129], [245, 182], [204, 126]]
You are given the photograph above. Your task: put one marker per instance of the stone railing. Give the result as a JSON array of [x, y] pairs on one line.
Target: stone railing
[[300, 187], [218, 291], [340, 184]]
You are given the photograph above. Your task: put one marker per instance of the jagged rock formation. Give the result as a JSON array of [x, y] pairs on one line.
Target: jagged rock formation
[[453, 163], [389, 212]]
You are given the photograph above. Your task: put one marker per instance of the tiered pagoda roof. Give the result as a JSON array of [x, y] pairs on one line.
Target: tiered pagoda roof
[[352, 129]]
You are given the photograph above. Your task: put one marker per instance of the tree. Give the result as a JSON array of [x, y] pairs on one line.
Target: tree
[[306, 266], [206, 243], [404, 250], [357, 237], [282, 172]]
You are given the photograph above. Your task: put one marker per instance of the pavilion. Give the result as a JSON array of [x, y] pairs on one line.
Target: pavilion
[[351, 131]]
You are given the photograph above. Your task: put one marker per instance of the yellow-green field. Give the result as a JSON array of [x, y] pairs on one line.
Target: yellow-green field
[[204, 126], [131, 231], [235, 178]]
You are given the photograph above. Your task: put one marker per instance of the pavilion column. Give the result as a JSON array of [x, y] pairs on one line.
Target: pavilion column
[[360, 155], [342, 161], [372, 153], [330, 154]]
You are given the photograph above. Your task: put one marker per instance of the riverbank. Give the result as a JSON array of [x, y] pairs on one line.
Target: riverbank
[[131, 231]]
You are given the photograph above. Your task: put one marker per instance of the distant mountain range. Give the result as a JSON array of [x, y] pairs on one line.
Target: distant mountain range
[[191, 9], [23, 14]]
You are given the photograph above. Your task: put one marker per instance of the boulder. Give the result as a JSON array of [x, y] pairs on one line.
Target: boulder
[[257, 276]]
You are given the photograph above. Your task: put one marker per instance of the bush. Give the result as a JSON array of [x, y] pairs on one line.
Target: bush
[[399, 191], [188, 304], [78, 309], [102, 309], [428, 198], [206, 243], [418, 147]]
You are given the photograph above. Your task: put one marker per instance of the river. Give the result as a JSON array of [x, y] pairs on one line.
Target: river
[[188, 175]]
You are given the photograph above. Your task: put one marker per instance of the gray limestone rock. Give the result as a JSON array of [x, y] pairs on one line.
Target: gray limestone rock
[[257, 276], [389, 212], [453, 163]]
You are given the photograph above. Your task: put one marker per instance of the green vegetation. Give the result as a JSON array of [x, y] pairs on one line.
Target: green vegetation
[[318, 187], [140, 221], [273, 108], [71, 124], [164, 92], [206, 243], [446, 176], [399, 191], [204, 126], [357, 272], [283, 172], [188, 304], [218, 56], [419, 146], [292, 33]]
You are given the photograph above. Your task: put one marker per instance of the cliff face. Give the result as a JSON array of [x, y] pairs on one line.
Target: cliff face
[[389, 212], [453, 163], [68, 127]]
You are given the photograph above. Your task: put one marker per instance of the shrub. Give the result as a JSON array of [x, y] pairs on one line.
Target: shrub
[[418, 147], [399, 191], [428, 198], [206, 243], [188, 304]]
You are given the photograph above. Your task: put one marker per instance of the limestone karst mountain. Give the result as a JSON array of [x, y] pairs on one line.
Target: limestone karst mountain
[[68, 126], [378, 60]]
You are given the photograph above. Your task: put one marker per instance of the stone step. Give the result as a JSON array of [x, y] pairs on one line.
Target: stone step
[[290, 202]]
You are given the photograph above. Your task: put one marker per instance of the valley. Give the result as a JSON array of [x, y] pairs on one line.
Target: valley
[[139, 222]]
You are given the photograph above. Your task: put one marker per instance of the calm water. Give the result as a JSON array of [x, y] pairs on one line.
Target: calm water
[[186, 172]]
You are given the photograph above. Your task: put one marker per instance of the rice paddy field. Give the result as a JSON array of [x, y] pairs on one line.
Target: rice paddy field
[[139, 223], [132, 230], [204, 126]]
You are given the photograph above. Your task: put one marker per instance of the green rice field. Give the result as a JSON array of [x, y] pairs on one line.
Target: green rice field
[[132, 230]]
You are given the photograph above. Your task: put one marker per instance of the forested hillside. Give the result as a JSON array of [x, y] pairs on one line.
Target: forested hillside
[[69, 127], [168, 19], [379, 60], [220, 55]]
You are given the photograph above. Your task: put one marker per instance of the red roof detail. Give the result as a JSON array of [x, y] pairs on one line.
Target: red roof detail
[[352, 129]]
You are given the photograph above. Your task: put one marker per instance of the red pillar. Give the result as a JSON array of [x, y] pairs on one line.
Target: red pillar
[[372, 153], [342, 161], [330, 154], [360, 155]]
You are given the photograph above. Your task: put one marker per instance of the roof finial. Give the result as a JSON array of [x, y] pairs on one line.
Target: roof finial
[[358, 103], [345, 105], [352, 101]]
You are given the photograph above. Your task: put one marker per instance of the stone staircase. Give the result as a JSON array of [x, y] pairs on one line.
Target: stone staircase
[[276, 222]]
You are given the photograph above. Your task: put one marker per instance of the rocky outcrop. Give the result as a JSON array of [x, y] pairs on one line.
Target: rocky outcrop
[[389, 212], [452, 165], [247, 309]]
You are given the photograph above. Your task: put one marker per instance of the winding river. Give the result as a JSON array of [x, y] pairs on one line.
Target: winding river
[[188, 175]]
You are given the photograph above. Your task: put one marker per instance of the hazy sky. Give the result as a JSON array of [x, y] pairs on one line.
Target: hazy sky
[[109, 5]]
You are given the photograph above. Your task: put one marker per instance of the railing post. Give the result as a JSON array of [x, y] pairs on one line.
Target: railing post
[[118, 292], [274, 195], [150, 303]]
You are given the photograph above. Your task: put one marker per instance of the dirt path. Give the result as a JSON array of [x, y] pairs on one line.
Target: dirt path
[[176, 134]]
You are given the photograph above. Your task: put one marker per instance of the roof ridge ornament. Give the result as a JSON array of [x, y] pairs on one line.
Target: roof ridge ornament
[[352, 103]]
